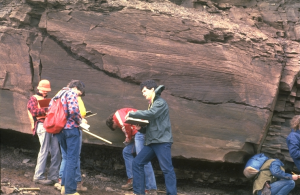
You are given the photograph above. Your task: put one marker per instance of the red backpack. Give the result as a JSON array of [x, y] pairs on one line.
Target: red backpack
[[56, 118]]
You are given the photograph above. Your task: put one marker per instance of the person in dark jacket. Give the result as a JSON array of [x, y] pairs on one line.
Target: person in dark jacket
[[272, 171], [293, 140], [158, 139]]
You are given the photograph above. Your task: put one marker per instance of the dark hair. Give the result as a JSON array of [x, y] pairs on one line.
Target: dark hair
[[149, 84], [79, 85], [110, 121]]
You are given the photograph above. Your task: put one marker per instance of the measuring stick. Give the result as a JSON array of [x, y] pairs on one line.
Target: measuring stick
[[96, 136], [29, 189], [90, 115]]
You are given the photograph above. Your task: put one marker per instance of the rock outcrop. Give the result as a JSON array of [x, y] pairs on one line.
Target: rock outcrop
[[230, 67]]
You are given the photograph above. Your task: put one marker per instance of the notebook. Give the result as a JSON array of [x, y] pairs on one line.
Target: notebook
[[44, 103]]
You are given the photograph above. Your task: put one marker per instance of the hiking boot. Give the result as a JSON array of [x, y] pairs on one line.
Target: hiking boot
[[152, 192], [80, 187], [128, 185], [63, 190], [43, 181]]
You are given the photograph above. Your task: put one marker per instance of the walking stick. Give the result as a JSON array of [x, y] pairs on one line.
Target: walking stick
[[96, 136]]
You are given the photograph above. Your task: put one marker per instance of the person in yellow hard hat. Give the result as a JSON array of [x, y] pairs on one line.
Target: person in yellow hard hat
[[47, 140]]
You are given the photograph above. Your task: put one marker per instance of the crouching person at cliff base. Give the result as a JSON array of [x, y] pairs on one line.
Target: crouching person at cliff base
[[134, 142], [272, 178], [69, 137], [49, 143], [158, 139]]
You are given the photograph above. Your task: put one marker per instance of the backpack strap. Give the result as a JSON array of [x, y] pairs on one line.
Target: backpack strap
[[256, 176], [60, 94]]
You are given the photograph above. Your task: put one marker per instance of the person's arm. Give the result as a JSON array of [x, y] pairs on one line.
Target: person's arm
[[73, 108], [33, 108], [294, 147], [277, 172], [155, 111]]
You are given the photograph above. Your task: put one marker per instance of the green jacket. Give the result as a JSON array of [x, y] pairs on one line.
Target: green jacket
[[159, 128]]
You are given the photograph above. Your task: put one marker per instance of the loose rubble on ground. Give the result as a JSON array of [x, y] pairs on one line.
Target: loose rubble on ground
[[17, 169]]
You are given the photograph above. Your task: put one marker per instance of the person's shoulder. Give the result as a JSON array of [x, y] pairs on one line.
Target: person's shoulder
[[277, 162], [32, 98], [70, 93], [160, 101], [293, 134]]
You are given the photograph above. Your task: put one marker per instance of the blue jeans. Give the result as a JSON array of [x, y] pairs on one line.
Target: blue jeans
[[63, 162], [128, 158], [69, 141], [49, 143], [163, 153], [281, 187]]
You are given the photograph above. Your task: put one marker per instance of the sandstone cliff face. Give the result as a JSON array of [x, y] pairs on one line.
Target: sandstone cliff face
[[230, 67]]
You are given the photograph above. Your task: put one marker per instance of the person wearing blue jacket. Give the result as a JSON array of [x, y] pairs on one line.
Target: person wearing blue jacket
[[273, 173], [158, 139], [293, 140]]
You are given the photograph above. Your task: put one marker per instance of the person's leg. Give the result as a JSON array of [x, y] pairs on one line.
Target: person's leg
[[63, 145], [163, 154], [143, 158], [282, 187], [72, 141], [53, 173], [43, 153], [149, 173], [78, 179], [128, 158], [63, 161], [78, 172]]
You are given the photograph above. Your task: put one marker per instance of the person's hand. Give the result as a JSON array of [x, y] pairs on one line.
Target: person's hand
[[84, 121], [295, 177], [127, 115], [127, 140]]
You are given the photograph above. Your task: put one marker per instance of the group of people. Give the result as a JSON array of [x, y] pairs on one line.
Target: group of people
[[149, 141], [142, 143], [272, 178], [64, 147]]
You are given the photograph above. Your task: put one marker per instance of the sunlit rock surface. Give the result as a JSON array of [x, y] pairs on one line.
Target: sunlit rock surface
[[230, 67]]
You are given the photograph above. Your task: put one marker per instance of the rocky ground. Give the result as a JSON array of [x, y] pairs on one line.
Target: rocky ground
[[105, 176]]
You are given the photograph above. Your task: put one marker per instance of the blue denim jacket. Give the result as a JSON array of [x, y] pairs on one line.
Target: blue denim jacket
[[277, 171]]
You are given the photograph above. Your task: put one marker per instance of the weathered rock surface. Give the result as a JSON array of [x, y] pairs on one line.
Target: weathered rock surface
[[230, 67]]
